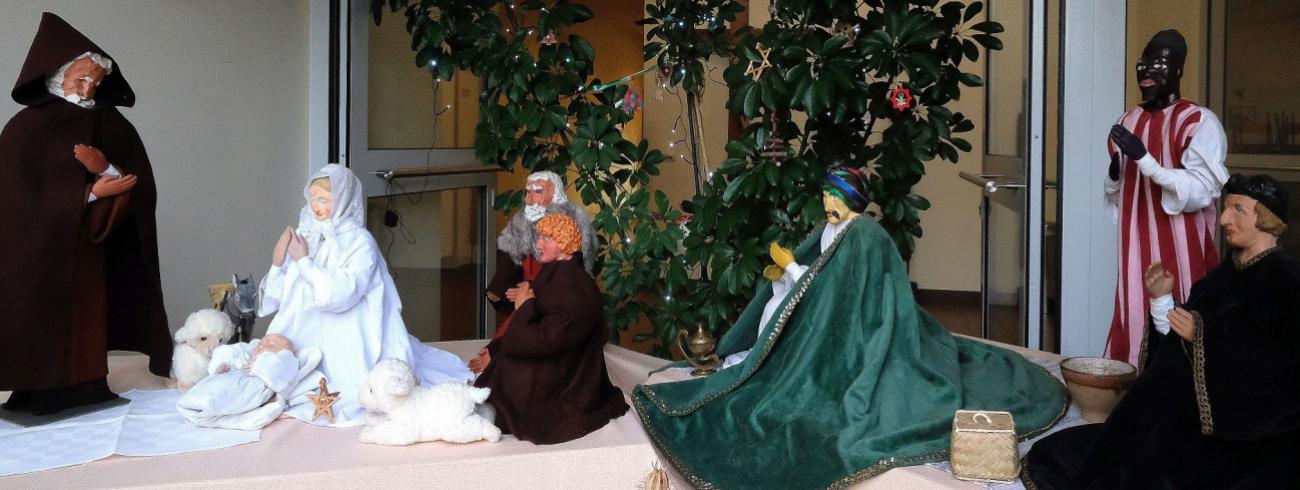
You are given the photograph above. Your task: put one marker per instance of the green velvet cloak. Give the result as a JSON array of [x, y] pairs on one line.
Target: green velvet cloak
[[849, 378]]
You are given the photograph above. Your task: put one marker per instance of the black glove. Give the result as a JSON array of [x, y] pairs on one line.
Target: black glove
[[1127, 142]]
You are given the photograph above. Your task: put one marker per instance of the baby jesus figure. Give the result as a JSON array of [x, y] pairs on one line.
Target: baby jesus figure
[[249, 384], [245, 355]]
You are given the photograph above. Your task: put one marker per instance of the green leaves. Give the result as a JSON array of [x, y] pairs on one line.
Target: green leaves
[[988, 41], [822, 102]]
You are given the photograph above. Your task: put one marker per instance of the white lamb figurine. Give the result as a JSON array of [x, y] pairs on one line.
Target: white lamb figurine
[[402, 413], [203, 331]]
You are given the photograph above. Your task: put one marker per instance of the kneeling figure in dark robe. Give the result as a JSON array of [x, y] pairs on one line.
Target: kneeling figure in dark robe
[[1218, 402], [547, 371]]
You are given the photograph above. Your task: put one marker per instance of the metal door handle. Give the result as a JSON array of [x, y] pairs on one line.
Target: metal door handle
[[993, 186], [988, 184]]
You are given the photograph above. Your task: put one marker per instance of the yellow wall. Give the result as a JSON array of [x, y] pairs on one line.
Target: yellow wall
[[947, 257]]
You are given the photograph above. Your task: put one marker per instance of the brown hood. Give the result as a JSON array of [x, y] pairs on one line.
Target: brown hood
[[57, 43]]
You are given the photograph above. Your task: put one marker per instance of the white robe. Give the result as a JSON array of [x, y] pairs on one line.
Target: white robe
[[782, 286], [342, 300]]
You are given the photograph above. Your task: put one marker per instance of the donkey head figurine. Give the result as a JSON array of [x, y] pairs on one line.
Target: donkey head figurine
[[240, 304]]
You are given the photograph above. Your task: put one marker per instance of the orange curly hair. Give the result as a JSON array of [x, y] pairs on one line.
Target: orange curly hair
[[563, 230]]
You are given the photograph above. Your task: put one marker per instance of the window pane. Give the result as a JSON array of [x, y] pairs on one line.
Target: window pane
[[402, 100], [1007, 72], [1262, 93], [434, 254]]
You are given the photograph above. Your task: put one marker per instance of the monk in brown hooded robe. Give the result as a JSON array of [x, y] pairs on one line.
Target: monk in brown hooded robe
[[547, 372], [79, 273]]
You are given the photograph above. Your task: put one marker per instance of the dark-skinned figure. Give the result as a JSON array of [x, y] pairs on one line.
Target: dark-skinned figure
[[1166, 171], [1217, 404], [80, 240]]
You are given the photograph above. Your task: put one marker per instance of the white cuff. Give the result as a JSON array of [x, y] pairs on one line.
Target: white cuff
[[1148, 167], [793, 269], [111, 171], [1160, 308]]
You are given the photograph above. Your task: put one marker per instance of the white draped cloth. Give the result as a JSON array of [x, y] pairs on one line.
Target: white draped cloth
[[341, 299]]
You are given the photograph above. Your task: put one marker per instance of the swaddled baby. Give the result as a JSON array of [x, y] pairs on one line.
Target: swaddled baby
[[249, 384], [245, 355]]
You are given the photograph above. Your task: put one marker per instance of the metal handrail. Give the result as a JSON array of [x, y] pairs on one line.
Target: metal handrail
[[402, 173]]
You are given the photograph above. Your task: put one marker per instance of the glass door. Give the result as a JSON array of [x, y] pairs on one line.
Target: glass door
[[410, 138], [1013, 178]]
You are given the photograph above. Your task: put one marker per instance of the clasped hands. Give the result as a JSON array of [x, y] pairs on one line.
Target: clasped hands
[[1160, 282], [513, 294], [518, 294], [290, 243], [781, 255], [1127, 142], [95, 162]]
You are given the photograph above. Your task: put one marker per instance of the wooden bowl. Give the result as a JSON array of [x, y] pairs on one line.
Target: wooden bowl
[[1096, 384]]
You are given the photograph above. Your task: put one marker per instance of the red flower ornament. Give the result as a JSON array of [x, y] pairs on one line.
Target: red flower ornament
[[900, 98]]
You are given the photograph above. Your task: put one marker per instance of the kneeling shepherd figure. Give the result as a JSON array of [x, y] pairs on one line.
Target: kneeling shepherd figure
[[547, 372]]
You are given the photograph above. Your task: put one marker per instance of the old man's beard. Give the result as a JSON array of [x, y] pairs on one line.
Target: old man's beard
[[534, 212], [76, 99], [55, 86]]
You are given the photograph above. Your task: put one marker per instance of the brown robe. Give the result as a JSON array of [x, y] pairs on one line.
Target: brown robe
[[76, 279], [547, 373]]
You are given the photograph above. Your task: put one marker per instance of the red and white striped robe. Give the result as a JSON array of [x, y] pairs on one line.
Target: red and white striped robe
[[1183, 242]]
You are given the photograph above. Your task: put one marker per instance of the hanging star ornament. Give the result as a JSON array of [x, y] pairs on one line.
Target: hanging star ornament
[[323, 400], [901, 98], [757, 71]]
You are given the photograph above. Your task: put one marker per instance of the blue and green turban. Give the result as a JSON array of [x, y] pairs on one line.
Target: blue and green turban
[[850, 186]]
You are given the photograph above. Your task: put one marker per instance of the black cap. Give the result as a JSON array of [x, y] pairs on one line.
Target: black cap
[[1261, 188], [1172, 39]]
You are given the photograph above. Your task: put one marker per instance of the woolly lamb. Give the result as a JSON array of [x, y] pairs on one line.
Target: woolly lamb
[[402, 413], [203, 331]]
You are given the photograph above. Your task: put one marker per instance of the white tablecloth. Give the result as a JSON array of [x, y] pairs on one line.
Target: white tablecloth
[[292, 454]]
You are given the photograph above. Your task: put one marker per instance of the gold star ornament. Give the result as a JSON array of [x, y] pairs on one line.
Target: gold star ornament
[[323, 400], [757, 71]]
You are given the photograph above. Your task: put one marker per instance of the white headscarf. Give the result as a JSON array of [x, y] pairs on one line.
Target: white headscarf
[[349, 206]]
